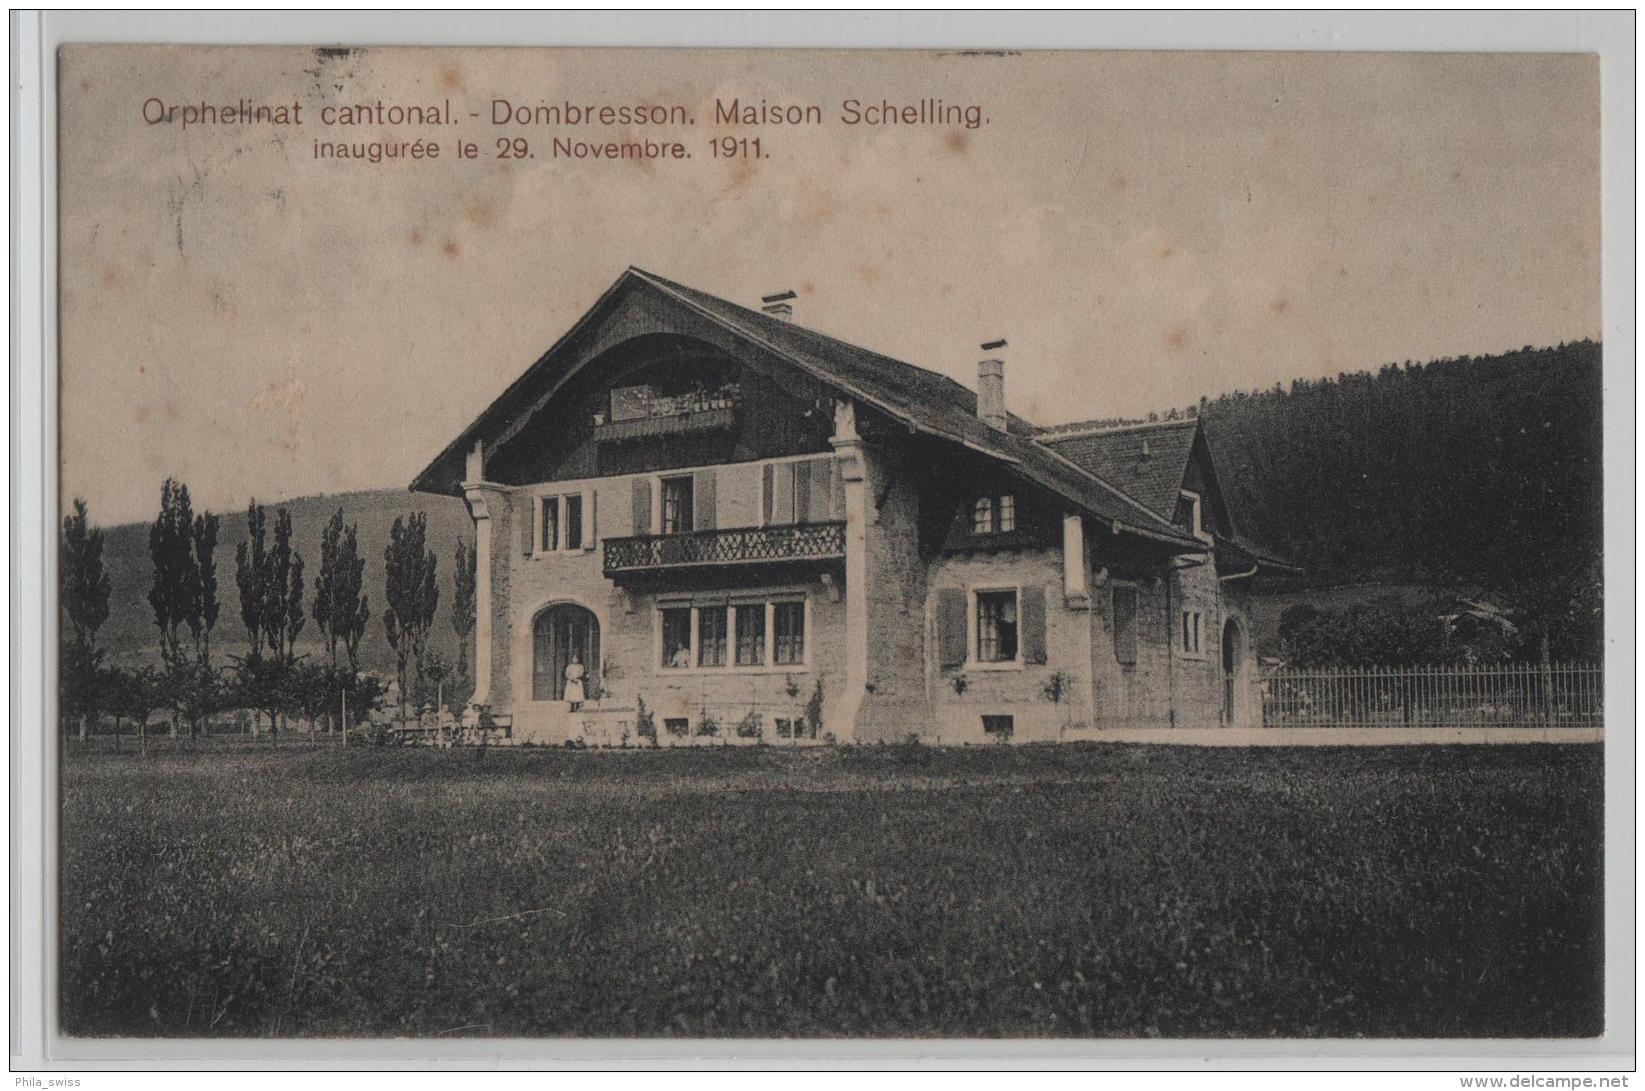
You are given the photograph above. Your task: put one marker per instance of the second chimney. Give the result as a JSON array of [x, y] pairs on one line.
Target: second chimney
[[991, 385], [780, 305]]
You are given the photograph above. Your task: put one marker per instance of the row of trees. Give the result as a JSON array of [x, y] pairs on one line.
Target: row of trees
[[272, 679]]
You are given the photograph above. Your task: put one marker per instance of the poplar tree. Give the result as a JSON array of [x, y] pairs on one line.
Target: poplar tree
[[84, 588], [412, 595]]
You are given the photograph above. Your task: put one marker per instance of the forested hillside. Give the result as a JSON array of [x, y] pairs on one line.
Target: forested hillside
[[1478, 472]]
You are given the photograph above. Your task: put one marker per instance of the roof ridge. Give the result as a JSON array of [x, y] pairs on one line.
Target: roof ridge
[[1076, 429]]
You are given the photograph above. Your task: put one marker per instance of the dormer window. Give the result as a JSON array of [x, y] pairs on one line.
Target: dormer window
[[994, 514], [1194, 517]]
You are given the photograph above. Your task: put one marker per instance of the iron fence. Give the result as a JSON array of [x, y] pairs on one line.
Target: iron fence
[[1498, 695]]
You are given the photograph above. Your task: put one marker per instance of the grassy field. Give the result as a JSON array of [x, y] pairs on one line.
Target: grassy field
[[1065, 891]]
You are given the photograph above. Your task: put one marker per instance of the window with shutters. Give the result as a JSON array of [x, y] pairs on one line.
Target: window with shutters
[[550, 521], [574, 522], [996, 613], [805, 490], [1125, 624], [678, 512]]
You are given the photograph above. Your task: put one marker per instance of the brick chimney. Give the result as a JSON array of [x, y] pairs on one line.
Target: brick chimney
[[780, 305], [991, 385]]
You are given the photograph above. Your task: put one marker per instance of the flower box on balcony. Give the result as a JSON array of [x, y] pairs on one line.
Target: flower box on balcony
[[700, 420]]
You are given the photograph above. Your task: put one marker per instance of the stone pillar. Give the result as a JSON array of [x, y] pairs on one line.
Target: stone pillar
[[853, 476], [1076, 588], [479, 496]]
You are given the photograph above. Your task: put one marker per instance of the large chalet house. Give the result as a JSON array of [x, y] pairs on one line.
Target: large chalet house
[[712, 524]]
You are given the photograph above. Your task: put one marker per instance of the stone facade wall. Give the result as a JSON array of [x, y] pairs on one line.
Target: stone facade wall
[[1078, 690], [1047, 701], [525, 582], [895, 702]]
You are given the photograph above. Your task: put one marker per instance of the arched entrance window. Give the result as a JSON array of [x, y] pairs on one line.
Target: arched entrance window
[[1233, 655], [560, 632]]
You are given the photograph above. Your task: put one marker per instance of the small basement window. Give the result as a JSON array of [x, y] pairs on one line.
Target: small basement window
[[999, 726], [677, 725]]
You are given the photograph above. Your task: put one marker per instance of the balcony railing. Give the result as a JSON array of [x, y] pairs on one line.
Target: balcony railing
[[738, 546]]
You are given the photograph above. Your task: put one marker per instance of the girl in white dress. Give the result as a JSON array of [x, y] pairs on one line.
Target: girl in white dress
[[574, 681]]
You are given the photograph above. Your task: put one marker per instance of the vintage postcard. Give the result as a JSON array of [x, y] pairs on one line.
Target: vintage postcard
[[604, 543]]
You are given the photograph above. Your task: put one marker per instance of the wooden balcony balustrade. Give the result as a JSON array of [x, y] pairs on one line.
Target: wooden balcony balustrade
[[731, 547]]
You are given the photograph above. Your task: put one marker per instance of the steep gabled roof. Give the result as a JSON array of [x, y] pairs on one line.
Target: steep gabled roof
[[925, 401], [1148, 460]]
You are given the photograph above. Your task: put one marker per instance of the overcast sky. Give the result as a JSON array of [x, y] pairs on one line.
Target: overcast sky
[[1143, 228]]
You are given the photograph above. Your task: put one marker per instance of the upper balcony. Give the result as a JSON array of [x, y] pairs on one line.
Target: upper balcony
[[739, 547], [642, 412]]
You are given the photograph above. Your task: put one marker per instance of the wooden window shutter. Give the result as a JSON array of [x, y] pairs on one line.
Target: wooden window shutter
[[822, 489], [951, 627], [589, 498], [526, 510], [642, 505], [782, 494], [768, 480], [1031, 606], [802, 491], [702, 487], [836, 487]]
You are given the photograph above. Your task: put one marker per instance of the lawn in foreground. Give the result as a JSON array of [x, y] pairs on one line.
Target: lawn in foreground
[[1074, 890]]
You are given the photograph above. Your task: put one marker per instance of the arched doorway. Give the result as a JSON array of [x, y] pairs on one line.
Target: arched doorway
[[1233, 661], [561, 631]]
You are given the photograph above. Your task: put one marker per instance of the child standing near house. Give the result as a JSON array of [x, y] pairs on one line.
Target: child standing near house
[[574, 673]]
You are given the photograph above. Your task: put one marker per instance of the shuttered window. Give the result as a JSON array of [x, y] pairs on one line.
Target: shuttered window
[[642, 505], [1032, 602], [1125, 624], [573, 522], [801, 491], [951, 627], [996, 626], [679, 506]]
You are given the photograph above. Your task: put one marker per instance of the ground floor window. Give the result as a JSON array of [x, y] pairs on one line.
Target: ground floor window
[[677, 638], [996, 626], [790, 619], [746, 635], [711, 633], [1000, 726], [751, 635]]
